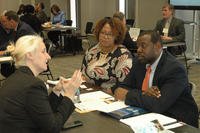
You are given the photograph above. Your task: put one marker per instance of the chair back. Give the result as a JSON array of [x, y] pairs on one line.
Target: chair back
[[68, 22], [130, 22], [88, 29]]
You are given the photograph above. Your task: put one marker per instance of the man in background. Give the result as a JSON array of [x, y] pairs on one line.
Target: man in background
[[11, 22], [171, 29]]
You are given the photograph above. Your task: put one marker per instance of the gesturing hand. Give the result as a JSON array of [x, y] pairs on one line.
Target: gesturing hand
[[70, 86]]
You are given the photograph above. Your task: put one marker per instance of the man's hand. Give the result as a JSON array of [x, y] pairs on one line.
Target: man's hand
[[153, 91], [120, 94]]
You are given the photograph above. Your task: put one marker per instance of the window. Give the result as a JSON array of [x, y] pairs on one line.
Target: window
[[73, 12], [122, 6]]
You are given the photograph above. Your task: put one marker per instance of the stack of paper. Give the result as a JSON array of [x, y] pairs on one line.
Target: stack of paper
[[133, 122], [98, 100]]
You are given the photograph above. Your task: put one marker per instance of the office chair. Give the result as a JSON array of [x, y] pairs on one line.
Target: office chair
[[130, 22], [88, 28], [86, 43]]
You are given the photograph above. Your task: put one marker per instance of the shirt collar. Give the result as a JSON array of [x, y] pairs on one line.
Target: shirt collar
[[154, 65]]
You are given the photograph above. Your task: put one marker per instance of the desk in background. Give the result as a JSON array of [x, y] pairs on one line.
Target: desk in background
[[175, 44]]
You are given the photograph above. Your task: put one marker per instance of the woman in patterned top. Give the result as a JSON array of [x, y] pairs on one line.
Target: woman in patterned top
[[108, 62]]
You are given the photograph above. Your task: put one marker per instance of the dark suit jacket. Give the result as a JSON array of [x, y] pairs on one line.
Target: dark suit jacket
[[5, 37], [25, 106], [22, 30], [171, 78], [32, 21], [129, 43], [176, 29]]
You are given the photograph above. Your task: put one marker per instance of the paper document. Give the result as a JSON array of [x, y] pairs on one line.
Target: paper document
[[134, 33], [98, 100], [148, 117]]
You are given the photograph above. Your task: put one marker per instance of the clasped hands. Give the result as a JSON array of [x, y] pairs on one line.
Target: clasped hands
[[69, 87], [153, 91]]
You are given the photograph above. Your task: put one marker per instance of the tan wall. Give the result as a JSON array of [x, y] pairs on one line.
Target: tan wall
[[148, 12], [93, 10]]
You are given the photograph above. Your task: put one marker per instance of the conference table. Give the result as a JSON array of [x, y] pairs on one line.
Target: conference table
[[97, 122]]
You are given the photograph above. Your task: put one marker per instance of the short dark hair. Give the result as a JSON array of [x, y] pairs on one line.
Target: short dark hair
[[118, 29], [119, 15], [155, 36], [12, 15], [29, 9]]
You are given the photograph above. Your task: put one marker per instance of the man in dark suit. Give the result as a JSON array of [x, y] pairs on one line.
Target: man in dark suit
[[6, 35], [167, 91], [171, 29], [13, 22], [10, 21]]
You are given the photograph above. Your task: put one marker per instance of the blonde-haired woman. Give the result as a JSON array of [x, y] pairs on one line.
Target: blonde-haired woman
[[25, 104]]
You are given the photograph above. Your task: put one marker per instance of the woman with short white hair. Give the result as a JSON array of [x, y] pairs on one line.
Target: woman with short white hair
[[25, 104]]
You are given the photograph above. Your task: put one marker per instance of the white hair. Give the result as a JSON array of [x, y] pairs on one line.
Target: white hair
[[24, 45]]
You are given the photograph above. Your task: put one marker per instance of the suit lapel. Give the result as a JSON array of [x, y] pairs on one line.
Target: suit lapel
[[158, 69]]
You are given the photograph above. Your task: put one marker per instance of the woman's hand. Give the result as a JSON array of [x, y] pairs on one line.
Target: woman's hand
[[70, 86]]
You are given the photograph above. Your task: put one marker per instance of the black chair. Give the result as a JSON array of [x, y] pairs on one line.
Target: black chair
[[130, 22], [88, 28], [68, 22]]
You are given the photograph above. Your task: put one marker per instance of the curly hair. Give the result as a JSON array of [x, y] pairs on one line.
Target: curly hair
[[118, 29]]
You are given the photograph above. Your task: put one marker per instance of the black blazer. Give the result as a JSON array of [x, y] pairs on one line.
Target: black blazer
[[5, 37], [129, 43], [25, 106], [23, 29], [171, 78]]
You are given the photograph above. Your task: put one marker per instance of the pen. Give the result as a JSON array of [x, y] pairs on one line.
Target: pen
[[167, 124]]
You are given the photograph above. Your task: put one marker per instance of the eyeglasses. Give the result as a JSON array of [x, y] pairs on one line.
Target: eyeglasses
[[108, 35]]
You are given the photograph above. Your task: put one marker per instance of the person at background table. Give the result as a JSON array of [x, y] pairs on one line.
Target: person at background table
[[128, 42], [30, 18], [58, 19], [25, 104], [109, 62], [20, 11], [167, 90], [171, 29], [40, 13], [11, 21], [6, 35]]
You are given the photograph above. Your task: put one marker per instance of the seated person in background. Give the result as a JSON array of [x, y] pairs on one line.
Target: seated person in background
[[6, 35], [40, 14], [20, 11], [30, 18], [25, 104], [58, 19], [128, 42], [107, 63], [10, 21], [171, 29], [158, 82]]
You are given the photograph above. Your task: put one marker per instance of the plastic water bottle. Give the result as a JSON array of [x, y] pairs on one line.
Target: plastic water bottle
[[77, 96]]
